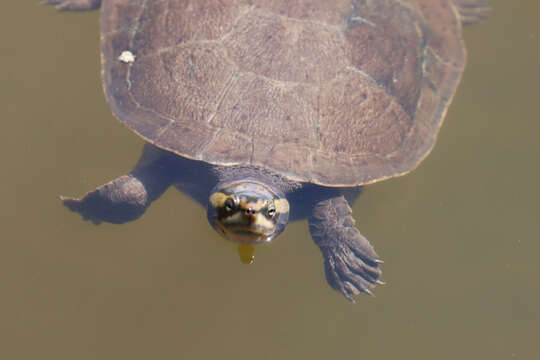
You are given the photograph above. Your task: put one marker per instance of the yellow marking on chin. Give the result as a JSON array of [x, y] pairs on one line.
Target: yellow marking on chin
[[282, 206], [237, 220], [242, 238], [217, 199]]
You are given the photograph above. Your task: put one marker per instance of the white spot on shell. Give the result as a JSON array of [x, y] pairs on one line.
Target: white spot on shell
[[127, 57]]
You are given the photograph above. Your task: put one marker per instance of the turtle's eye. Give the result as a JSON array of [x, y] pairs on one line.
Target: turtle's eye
[[271, 210], [229, 205]]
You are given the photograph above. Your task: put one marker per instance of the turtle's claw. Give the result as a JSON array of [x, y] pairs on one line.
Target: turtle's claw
[[348, 274]]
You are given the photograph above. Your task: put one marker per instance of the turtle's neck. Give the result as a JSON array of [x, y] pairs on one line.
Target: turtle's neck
[[227, 174]]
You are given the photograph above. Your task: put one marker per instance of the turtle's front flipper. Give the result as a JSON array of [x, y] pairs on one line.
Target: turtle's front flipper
[[74, 5], [127, 197], [351, 264]]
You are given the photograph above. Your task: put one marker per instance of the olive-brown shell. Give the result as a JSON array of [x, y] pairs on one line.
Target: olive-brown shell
[[338, 93]]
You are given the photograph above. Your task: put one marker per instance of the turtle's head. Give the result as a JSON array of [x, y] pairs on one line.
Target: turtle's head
[[247, 212]]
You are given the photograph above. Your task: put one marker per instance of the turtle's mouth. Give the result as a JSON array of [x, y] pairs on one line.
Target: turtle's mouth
[[246, 231]]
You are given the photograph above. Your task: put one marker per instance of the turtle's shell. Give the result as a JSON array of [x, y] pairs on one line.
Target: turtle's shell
[[338, 93]]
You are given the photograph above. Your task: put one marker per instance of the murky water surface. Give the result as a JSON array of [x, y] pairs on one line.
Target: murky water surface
[[460, 235]]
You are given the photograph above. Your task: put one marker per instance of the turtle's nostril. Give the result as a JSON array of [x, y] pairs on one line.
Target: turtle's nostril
[[250, 211]]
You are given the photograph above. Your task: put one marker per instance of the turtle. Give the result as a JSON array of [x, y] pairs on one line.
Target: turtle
[[270, 111]]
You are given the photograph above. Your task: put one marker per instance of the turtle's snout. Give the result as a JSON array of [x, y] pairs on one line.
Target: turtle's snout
[[250, 218]]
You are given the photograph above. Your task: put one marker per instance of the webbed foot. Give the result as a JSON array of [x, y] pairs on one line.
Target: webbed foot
[[73, 5], [351, 264], [127, 197], [118, 201]]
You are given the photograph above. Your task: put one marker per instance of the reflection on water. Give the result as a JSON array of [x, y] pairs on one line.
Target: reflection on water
[[459, 235]]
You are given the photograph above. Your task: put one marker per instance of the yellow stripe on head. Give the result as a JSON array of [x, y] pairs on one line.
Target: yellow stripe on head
[[217, 199], [282, 205]]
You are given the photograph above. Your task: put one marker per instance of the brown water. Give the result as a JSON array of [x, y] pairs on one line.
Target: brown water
[[460, 235]]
